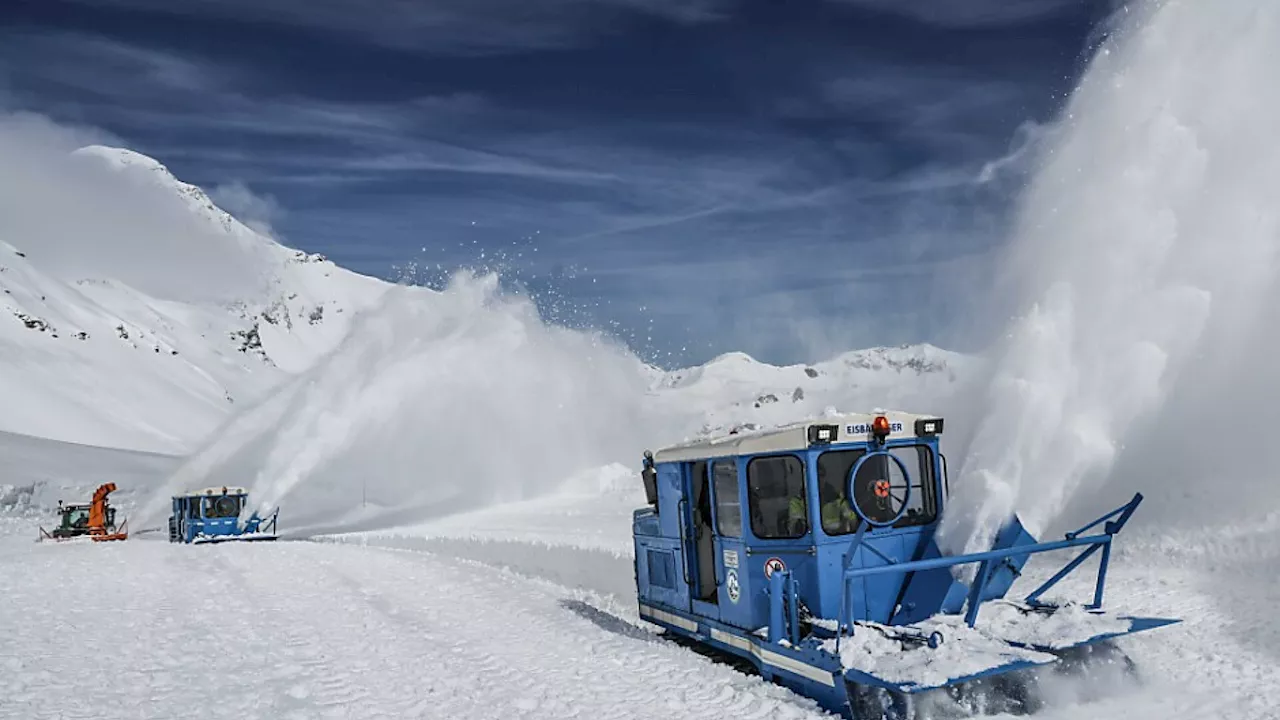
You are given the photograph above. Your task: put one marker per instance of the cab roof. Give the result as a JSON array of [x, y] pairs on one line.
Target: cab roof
[[214, 492], [849, 427]]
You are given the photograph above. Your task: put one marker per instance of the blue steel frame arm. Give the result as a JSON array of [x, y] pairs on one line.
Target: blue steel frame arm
[[272, 521], [1125, 512], [255, 523], [986, 560]]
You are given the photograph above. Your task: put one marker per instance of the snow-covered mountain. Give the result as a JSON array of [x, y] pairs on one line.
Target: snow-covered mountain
[[118, 354], [153, 320]]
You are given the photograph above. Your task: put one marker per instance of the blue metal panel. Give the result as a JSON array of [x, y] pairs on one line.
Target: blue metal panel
[[670, 492], [930, 592], [658, 572], [1002, 575], [825, 602], [662, 568], [741, 589], [805, 670]]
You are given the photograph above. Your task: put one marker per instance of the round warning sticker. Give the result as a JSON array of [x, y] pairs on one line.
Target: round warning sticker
[[731, 584], [771, 565]]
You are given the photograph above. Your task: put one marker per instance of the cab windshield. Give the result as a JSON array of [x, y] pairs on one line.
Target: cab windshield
[[75, 517]]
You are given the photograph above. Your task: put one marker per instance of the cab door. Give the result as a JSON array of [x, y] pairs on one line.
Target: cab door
[[730, 550], [705, 575]]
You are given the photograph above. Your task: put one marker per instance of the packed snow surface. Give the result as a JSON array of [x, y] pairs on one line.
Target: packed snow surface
[[1068, 625], [964, 652], [877, 650]]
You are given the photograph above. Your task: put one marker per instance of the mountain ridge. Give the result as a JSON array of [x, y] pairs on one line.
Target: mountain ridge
[[71, 366]]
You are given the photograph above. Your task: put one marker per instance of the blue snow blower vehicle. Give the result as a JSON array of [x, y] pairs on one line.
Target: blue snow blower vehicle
[[807, 552], [212, 515]]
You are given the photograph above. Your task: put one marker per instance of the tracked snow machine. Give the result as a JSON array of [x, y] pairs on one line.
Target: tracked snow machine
[[212, 515], [95, 520], [808, 553]]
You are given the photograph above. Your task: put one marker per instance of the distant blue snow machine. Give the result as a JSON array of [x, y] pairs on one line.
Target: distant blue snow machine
[[808, 552], [212, 515]]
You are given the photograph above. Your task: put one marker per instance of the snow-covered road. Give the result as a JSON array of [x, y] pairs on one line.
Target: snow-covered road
[[144, 629]]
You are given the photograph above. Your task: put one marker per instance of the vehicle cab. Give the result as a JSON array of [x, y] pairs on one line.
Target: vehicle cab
[[75, 520], [725, 513]]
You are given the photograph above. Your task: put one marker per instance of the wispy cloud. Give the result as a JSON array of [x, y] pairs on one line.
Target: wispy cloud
[[853, 166], [442, 26], [973, 13]]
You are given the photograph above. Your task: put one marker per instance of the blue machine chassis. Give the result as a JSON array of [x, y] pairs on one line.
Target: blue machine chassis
[[803, 666]]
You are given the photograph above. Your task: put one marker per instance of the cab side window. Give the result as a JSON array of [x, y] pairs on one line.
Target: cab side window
[[775, 491], [728, 505]]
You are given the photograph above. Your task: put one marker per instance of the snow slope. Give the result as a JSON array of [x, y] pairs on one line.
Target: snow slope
[[134, 313], [36, 473]]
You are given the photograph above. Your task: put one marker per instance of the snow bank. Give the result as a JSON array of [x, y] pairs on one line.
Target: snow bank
[[1144, 267]]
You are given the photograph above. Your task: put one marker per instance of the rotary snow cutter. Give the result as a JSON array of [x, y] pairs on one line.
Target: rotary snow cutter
[[95, 520], [212, 515], [809, 553]]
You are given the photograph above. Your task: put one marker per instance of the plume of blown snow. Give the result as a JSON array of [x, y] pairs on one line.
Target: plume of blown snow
[[1144, 259], [437, 402]]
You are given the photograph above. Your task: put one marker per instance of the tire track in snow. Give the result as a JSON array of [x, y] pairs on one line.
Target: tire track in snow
[[531, 652]]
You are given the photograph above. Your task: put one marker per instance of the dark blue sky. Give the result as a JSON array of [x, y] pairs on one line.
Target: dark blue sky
[[698, 176]]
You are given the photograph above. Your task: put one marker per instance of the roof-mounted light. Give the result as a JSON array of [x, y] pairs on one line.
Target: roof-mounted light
[[823, 434], [926, 427], [880, 427]]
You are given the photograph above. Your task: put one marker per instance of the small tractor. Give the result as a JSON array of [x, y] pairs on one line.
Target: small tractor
[[95, 520], [212, 515], [808, 553]]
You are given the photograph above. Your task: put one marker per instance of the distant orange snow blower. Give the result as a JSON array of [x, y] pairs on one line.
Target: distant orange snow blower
[[97, 520]]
